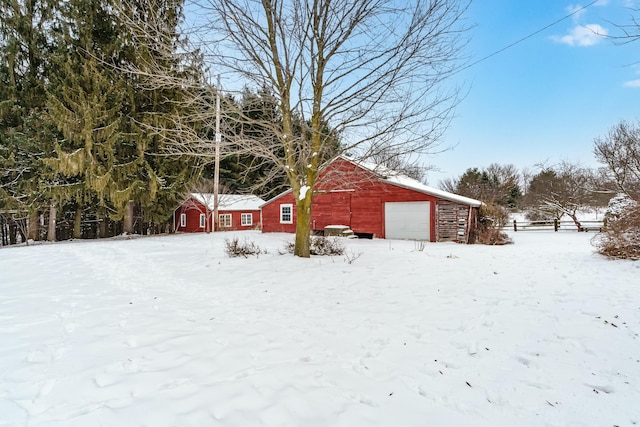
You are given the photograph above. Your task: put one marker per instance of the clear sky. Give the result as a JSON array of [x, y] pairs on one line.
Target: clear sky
[[547, 98]]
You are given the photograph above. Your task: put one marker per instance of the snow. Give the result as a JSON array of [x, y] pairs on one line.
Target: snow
[[230, 202], [303, 192], [401, 180], [168, 331]]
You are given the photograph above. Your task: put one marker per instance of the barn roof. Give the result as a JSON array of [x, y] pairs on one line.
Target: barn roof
[[396, 178], [230, 202]]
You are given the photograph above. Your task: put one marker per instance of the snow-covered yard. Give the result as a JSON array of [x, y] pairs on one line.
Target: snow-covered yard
[[168, 331]]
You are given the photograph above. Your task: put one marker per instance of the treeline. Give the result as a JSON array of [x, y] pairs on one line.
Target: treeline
[[75, 140], [551, 192], [87, 146]]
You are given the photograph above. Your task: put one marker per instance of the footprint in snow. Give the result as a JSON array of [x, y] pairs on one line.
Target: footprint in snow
[[46, 387], [131, 341]]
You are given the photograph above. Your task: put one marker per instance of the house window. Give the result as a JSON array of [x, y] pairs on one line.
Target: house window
[[203, 220], [286, 214], [224, 220], [183, 220], [247, 219]]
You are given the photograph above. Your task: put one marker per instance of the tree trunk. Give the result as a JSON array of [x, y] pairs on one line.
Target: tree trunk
[[127, 223], [34, 226], [102, 228], [575, 220], [303, 228], [51, 231], [13, 233], [77, 222], [3, 231]]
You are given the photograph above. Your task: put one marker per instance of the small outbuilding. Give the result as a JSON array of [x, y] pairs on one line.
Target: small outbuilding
[[235, 212], [374, 201]]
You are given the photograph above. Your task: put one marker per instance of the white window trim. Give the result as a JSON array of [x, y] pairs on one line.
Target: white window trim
[[223, 223], [282, 207], [244, 216], [183, 220], [203, 220]]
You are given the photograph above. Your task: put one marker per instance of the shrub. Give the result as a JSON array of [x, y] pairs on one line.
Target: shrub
[[321, 245], [539, 216], [491, 220], [233, 248], [621, 238]]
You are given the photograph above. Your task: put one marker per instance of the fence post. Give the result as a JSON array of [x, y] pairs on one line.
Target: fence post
[[515, 225], [604, 224], [555, 224]]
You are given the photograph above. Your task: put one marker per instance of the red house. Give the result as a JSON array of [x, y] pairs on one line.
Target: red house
[[235, 212], [374, 201]]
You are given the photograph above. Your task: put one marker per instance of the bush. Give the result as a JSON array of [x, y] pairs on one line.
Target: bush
[[491, 219], [493, 236], [321, 245], [621, 238], [233, 248], [539, 216]]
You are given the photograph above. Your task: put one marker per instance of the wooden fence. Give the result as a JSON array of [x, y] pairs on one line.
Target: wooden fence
[[556, 225]]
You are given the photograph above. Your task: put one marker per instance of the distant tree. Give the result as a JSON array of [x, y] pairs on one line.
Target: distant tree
[[449, 184], [508, 192], [495, 185], [563, 190], [619, 152], [400, 163]]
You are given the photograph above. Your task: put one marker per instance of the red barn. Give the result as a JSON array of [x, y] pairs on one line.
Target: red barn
[[374, 201], [235, 212]]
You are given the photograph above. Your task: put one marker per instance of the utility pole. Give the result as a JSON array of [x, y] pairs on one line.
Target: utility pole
[[216, 170]]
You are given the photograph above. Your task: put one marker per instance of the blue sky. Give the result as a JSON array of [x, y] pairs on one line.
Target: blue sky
[[547, 98]]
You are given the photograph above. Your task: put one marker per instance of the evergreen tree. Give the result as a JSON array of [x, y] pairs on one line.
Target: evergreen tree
[[110, 154], [244, 172], [85, 102], [25, 134], [161, 180]]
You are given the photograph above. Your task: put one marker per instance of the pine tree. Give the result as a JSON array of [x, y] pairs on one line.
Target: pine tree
[[163, 179], [86, 97], [25, 134]]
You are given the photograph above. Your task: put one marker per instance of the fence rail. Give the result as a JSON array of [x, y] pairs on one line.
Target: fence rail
[[557, 225]]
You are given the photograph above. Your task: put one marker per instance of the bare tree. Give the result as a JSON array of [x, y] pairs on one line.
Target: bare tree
[[563, 190], [619, 151], [402, 164], [370, 69], [495, 185], [370, 72], [449, 184]]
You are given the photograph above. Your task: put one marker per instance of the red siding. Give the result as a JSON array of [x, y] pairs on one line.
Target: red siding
[[193, 209], [271, 215], [352, 197]]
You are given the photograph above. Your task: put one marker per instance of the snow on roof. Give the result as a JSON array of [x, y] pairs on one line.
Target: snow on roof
[[230, 202], [277, 196], [396, 178]]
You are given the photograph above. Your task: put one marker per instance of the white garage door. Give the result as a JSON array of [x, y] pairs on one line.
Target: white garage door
[[407, 220]]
